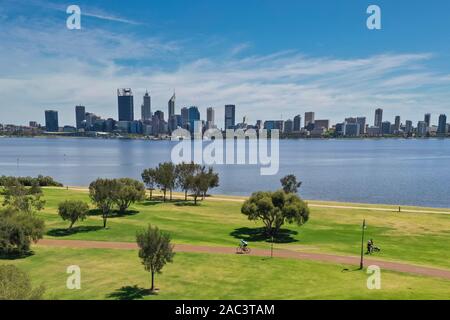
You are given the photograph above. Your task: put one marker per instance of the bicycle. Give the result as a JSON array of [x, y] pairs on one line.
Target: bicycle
[[243, 250]]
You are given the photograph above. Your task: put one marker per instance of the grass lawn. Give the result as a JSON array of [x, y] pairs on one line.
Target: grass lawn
[[408, 237], [118, 274]]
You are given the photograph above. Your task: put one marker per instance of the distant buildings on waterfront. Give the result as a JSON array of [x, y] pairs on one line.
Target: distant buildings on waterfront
[[157, 125]]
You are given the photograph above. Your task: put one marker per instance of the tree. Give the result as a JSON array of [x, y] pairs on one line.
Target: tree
[[184, 172], [213, 181], [22, 198], [73, 211], [275, 209], [128, 192], [18, 230], [290, 184], [103, 194], [16, 285], [155, 250], [149, 177], [166, 178]]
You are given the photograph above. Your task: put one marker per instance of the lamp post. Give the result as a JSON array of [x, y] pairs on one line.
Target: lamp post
[[361, 264]]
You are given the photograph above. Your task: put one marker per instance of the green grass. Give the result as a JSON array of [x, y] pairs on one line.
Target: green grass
[[118, 274], [408, 237]]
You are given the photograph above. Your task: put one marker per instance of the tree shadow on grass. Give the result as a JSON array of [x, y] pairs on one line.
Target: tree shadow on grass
[[16, 255], [114, 214], [258, 235], [131, 293], [75, 230], [187, 204]]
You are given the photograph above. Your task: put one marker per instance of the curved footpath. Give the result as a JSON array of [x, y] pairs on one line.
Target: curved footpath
[[336, 259]]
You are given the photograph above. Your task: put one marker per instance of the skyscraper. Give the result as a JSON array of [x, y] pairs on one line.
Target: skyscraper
[[126, 105], [378, 118], [230, 116], [397, 124], [288, 126], [146, 108], [297, 123], [210, 118], [362, 125], [185, 117], [80, 116], [194, 115], [309, 118], [171, 106], [442, 128], [51, 121], [427, 120], [408, 127]]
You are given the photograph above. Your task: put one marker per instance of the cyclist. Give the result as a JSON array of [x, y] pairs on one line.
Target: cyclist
[[243, 244]]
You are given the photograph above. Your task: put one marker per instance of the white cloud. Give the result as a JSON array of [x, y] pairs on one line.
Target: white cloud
[[46, 66]]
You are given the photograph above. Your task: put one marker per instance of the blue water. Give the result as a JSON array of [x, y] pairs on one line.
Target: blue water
[[389, 171]]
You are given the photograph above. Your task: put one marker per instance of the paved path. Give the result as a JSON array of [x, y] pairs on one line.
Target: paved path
[[312, 205], [349, 260]]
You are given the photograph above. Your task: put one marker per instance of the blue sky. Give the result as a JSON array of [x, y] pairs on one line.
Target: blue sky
[[273, 59]]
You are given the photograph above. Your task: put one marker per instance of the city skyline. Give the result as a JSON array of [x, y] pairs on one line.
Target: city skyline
[[293, 63], [156, 124]]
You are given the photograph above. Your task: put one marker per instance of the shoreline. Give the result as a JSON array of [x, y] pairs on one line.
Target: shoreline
[[151, 138]]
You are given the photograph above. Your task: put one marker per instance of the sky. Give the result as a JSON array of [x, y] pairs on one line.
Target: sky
[[272, 59]]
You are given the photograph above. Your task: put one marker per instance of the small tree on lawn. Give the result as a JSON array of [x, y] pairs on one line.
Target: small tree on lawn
[[165, 178], [275, 209], [103, 194], [213, 181], [290, 184], [73, 211], [149, 176], [155, 250], [129, 191], [184, 172]]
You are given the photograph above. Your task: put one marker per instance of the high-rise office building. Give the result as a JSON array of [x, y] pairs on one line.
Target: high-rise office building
[[80, 116], [442, 128], [386, 127], [194, 115], [408, 126], [126, 105], [378, 118], [51, 121], [160, 115], [351, 129], [309, 118], [297, 123], [146, 108], [230, 116], [288, 126], [185, 117], [321, 124], [171, 106], [210, 115], [362, 125], [422, 128], [427, 120], [397, 124], [210, 118]]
